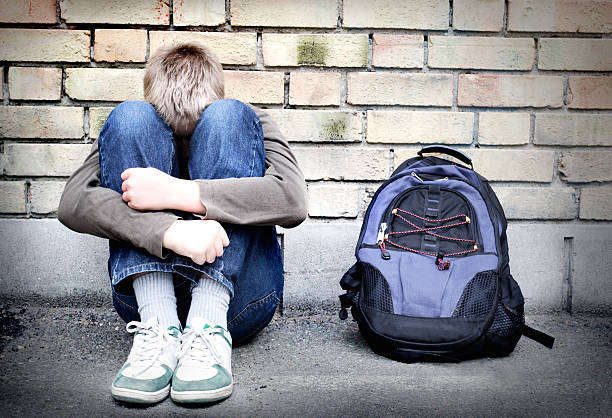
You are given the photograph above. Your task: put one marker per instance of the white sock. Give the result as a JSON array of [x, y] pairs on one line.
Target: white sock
[[209, 300], [155, 296]]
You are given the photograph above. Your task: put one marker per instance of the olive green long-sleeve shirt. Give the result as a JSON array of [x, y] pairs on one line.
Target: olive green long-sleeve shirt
[[277, 198]]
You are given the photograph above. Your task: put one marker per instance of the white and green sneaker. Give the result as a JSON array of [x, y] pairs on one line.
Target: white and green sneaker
[[204, 371], [146, 375]]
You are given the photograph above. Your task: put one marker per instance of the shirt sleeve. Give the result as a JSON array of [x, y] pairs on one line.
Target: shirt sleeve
[[87, 207], [277, 198]]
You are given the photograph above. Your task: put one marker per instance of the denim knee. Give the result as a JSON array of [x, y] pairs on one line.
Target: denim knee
[[224, 113], [130, 120]]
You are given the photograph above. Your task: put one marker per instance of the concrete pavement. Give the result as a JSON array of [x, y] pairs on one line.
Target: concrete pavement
[[60, 361]]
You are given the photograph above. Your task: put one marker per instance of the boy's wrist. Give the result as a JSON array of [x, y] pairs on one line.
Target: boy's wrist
[[186, 196]]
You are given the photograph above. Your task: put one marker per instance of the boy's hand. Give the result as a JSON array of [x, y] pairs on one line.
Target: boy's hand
[[152, 189], [200, 240]]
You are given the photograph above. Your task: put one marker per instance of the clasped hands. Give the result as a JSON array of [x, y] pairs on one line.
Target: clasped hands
[[152, 189]]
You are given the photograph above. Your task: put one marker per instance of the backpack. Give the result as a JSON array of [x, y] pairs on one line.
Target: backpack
[[432, 279]]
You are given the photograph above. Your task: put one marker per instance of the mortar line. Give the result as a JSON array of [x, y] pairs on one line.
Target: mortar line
[[370, 52], [5, 86], [568, 252], [286, 86], [28, 198], [259, 60], [505, 20], [425, 68]]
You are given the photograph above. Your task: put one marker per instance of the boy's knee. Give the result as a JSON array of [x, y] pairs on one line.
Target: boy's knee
[[131, 115], [226, 111], [129, 121]]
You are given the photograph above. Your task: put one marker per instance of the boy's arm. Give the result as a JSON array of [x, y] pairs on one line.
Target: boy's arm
[[86, 206], [278, 198]]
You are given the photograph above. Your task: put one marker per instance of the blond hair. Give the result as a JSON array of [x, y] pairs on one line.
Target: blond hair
[[180, 81]]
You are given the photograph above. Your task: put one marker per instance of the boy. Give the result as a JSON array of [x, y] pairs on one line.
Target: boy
[[187, 187]]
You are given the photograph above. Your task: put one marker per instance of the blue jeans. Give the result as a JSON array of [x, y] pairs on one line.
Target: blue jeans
[[227, 142]]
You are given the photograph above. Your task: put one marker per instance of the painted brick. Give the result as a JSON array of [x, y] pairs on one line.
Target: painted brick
[[330, 50], [595, 203], [589, 93], [591, 287], [45, 45], [97, 117], [199, 12], [144, 12], [559, 16], [35, 83], [514, 165], [318, 125], [585, 166], [480, 52], [575, 54], [93, 84], [314, 89], [13, 198], [285, 13], [52, 261], [28, 11], [316, 256], [576, 129], [510, 90], [230, 48], [400, 89], [503, 128], [255, 87], [46, 195], [538, 272], [416, 127], [333, 200], [401, 155], [41, 122], [537, 202], [404, 14], [122, 45], [397, 51], [502, 164], [478, 15], [44, 159], [327, 163]]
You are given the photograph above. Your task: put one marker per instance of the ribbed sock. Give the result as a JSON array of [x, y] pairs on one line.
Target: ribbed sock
[[155, 296], [209, 300]]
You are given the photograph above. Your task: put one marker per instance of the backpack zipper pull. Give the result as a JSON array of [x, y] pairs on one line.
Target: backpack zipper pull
[[380, 240], [416, 176]]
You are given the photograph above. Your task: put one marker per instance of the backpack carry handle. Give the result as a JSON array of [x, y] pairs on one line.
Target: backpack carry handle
[[442, 149]]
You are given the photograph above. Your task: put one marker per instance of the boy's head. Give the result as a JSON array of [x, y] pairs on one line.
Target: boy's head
[[180, 81]]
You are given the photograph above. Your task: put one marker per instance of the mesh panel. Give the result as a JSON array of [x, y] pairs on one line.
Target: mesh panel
[[478, 296], [375, 290], [506, 322]]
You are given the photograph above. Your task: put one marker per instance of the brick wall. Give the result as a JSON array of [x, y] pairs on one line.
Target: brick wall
[[357, 86]]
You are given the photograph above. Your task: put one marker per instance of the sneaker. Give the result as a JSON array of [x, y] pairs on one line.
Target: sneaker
[[146, 375], [204, 371]]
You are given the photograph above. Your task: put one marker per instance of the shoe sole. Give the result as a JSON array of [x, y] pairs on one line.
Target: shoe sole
[[197, 396], [138, 396]]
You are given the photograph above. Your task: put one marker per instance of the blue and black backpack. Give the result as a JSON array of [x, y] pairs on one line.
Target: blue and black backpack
[[432, 279]]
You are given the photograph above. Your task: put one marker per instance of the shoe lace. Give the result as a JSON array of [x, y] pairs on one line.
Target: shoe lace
[[199, 346], [150, 343]]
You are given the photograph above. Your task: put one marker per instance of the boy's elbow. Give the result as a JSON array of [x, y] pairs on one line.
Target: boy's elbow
[[66, 211], [298, 212]]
